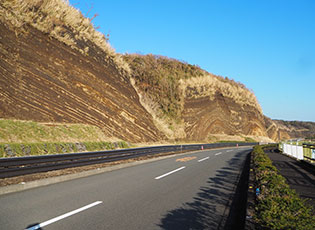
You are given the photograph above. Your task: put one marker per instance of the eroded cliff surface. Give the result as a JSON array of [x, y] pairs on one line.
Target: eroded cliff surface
[[44, 79], [56, 67], [192, 104]]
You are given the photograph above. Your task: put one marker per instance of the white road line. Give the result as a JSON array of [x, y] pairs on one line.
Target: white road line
[[218, 153], [166, 174], [229, 150], [206, 158], [39, 226]]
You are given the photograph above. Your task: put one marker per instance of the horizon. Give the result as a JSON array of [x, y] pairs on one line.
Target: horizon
[[267, 46]]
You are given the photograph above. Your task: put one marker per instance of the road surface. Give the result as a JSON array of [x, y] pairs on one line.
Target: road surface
[[190, 191]]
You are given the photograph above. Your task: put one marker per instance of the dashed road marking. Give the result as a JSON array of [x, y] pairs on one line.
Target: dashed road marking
[[166, 174], [39, 226], [206, 158]]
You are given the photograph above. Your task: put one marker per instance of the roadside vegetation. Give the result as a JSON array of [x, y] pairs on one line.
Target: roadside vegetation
[[278, 206], [18, 131], [32, 149], [22, 138], [61, 21]]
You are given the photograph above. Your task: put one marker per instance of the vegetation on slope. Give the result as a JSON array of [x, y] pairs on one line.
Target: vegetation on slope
[[34, 149], [59, 20], [164, 83], [21, 138], [159, 78], [14, 131]]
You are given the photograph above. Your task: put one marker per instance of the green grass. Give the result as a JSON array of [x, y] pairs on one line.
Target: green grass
[[32, 149], [32, 138], [15, 131]]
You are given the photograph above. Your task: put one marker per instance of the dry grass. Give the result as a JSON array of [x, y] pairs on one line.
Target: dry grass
[[209, 85], [172, 129], [163, 84], [59, 20]]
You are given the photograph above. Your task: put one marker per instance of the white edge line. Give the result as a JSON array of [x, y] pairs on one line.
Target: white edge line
[[206, 158], [218, 153], [166, 174], [38, 226]]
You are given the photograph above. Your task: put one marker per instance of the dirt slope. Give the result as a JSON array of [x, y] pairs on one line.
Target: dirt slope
[[204, 117], [42, 79], [189, 103]]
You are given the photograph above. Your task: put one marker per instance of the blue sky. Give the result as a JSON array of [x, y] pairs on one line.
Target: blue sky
[[268, 45]]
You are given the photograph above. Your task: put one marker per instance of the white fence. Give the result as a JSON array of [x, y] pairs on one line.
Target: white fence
[[295, 151]]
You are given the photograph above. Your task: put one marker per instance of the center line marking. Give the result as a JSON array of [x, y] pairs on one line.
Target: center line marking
[[217, 154], [166, 174], [203, 159], [229, 151], [39, 226]]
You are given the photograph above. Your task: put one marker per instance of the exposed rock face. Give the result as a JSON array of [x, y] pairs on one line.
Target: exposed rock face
[[203, 104], [55, 67], [43, 79], [221, 115]]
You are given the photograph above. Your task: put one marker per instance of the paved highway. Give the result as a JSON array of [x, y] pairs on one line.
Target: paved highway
[[190, 191]]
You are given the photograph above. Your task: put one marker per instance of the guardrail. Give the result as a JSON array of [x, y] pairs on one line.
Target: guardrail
[[17, 166]]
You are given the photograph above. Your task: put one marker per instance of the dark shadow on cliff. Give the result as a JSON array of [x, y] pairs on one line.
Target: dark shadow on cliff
[[210, 207]]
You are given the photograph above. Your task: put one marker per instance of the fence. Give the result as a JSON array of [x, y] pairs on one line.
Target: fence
[[295, 151], [300, 152]]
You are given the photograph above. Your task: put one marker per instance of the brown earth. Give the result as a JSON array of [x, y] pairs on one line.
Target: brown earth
[[42, 79], [222, 115]]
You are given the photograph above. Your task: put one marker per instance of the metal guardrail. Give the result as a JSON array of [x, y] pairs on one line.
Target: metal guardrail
[[17, 166]]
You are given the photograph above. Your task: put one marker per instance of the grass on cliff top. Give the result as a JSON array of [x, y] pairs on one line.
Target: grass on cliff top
[[59, 20], [16, 131]]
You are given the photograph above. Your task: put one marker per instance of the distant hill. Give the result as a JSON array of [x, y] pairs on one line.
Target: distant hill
[[281, 130], [55, 67]]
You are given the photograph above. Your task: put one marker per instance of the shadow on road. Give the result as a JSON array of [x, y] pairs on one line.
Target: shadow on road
[[210, 208]]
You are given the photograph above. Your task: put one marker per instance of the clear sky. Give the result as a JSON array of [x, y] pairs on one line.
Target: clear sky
[[268, 45]]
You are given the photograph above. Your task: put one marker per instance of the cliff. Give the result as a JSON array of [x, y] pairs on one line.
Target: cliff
[[52, 71], [189, 103], [56, 67]]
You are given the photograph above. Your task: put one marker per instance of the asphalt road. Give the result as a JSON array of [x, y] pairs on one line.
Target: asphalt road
[[191, 191]]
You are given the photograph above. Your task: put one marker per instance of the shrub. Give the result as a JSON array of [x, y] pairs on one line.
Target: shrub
[[278, 206]]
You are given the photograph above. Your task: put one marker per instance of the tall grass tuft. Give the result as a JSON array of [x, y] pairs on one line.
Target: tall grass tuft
[[59, 20]]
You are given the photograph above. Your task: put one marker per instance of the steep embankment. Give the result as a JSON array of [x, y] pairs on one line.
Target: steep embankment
[[55, 67], [187, 102]]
